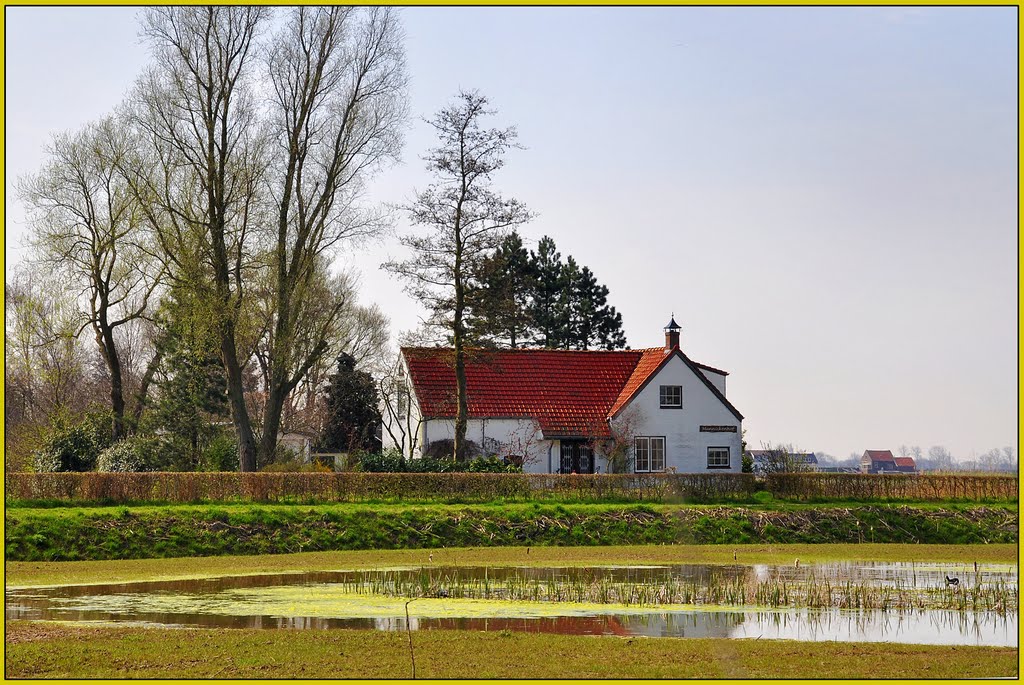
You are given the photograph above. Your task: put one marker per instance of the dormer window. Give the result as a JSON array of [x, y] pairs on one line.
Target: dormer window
[[671, 396]]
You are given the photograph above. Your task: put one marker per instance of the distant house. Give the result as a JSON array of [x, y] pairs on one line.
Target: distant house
[[806, 461], [905, 465], [879, 461], [548, 408]]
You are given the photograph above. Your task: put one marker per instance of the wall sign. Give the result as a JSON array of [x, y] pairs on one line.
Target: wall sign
[[718, 429]]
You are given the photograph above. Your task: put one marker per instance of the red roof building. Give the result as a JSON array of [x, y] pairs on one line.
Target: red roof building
[[878, 461], [573, 398], [905, 464]]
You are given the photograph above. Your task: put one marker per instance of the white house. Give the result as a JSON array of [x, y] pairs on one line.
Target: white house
[[549, 408]]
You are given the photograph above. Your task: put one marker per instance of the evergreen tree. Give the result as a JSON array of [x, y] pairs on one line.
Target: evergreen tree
[[501, 296], [592, 322], [352, 409], [569, 307], [192, 401], [548, 307]]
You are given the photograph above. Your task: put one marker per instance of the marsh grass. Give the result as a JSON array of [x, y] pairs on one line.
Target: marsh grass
[[812, 591]]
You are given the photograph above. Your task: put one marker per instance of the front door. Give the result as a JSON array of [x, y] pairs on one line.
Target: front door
[[577, 457]]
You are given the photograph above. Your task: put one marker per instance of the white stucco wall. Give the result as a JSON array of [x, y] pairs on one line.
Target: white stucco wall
[[516, 436], [686, 448]]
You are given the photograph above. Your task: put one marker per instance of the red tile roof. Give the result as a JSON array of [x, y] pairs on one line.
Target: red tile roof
[[648, 363], [905, 461], [879, 455], [569, 392]]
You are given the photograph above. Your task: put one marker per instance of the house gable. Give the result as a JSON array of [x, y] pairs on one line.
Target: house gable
[[648, 368]]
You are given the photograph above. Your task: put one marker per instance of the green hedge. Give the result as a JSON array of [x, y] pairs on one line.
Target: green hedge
[[113, 488]]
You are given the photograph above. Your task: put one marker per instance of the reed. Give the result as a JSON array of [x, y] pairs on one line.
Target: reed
[[715, 590]]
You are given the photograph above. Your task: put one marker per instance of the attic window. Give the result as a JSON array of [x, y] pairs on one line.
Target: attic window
[[671, 396]]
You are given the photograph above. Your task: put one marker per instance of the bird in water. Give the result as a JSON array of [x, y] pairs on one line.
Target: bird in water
[[952, 581]]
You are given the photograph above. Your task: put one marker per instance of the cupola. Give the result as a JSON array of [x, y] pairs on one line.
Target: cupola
[[672, 334]]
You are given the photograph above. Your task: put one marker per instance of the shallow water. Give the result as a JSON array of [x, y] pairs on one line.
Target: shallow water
[[329, 599]]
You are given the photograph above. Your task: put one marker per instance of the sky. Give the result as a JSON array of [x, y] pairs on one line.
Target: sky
[[825, 198]]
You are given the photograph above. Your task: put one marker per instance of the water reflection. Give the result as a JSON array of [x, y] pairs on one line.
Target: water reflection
[[317, 600]]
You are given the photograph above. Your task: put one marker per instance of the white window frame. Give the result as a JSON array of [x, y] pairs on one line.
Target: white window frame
[[644, 453], [661, 396], [728, 457]]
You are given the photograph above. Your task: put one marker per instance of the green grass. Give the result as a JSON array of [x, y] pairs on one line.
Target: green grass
[[36, 650], [20, 574], [71, 534]]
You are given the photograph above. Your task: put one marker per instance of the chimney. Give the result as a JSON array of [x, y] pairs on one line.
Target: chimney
[[672, 334]]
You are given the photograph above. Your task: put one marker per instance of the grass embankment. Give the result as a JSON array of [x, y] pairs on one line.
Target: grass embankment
[[183, 531], [35, 650], [34, 573]]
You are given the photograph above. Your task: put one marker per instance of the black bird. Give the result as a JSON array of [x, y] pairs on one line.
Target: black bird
[[952, 581]]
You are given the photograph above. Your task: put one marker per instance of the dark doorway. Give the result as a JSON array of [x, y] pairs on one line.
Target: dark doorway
[[577, 457]]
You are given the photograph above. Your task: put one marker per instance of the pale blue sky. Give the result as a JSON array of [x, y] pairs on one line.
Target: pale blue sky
[[825, 197]]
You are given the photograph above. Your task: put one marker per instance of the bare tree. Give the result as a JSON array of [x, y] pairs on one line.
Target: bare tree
[[465, 221], [399, 420], [519, 448], [940, 459], [204, 167], [338, 79], [87, 227], [780, 458], [259, 203], [617, 451]]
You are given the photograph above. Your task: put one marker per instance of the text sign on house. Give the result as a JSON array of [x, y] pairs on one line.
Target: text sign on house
[[718, 429]]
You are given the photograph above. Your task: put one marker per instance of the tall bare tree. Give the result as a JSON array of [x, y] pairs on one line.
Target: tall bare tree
[[87, 227], [465, 220], [256, 194], [204, 167], [338, 78]]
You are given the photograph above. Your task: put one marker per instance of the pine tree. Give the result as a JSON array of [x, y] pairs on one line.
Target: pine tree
[[501, 296], [352, 409], [548, 307]]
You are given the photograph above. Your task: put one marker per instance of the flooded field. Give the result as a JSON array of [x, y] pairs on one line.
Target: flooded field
[[888, 602]]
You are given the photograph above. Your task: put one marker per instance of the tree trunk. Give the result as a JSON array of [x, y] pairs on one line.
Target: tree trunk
[[272, 420], [147, 381], [458, 338], [236, 394], [105, 338]]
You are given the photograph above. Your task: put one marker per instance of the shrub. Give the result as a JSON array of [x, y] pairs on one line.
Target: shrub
[[221, 454], [444, 449], [134, 454], [491, 465], [75, 446]]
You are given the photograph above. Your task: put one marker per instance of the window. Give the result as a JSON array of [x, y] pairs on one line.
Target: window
[[671, 396], [718, 457], [649, 454]]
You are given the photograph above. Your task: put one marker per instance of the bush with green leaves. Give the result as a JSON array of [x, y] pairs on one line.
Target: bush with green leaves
[[135, 454], [221, 454], [491, 465], [74, 446]]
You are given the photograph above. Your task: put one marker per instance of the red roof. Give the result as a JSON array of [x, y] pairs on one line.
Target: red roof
[[905, 461], [568, 392], [879, 455], [648, 363]]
